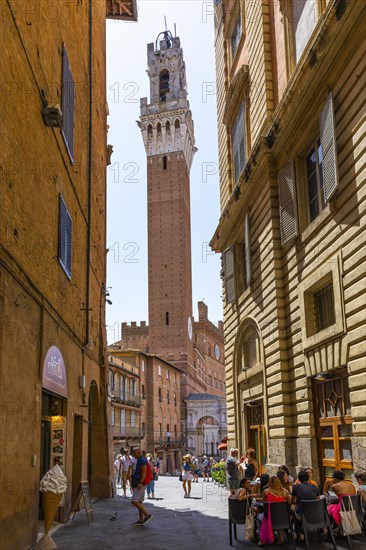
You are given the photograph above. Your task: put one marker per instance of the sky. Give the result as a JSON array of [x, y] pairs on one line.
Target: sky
[[127, 82]]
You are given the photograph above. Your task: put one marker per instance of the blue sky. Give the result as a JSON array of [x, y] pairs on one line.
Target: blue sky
[[126, 183]]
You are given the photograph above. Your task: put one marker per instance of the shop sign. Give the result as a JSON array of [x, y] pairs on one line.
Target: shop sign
[[54, 372]]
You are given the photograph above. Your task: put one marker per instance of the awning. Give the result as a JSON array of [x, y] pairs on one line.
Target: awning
[[222, 447]]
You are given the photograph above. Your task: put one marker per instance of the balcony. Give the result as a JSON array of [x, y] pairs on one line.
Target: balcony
[[169, 443], [126, 398], [127, 432]]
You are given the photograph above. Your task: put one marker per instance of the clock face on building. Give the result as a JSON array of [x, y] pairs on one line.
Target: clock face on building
[[190, 330], [217, 352]]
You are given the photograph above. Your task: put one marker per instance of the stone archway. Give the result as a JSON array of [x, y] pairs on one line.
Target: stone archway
[[208, 436]]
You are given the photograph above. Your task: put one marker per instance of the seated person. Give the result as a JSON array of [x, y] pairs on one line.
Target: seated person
[[284, 477], [244, 491], [274, 493], [341, 487], [259, 487], [360, 476], [311, 480], [303, 490]]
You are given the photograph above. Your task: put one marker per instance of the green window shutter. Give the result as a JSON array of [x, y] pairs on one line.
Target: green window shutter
[[329, 149], [247, 259], [229, 270], [287, 196]]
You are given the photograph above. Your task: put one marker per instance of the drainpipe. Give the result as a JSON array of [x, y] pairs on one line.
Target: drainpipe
[[90, 142]]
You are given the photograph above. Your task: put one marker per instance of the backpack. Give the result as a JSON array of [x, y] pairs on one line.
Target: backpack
[[148, 476]]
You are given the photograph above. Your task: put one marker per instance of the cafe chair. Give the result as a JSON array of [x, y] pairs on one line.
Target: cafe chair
[[280, 518], [314, 516], [237, 513]]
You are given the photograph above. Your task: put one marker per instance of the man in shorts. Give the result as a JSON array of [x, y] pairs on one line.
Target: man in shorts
[[139, 488]]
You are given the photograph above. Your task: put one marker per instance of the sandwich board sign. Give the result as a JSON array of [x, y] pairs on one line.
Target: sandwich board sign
[[83, 495]]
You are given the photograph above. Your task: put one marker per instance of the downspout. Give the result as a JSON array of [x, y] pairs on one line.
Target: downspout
[[87, 298]]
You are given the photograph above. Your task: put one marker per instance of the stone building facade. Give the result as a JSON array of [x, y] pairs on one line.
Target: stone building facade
[[125, 400], [53, 153], [161, 430], [206, 424], [291, 123]]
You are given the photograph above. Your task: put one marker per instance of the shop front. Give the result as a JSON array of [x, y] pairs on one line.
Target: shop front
[[53, 443]]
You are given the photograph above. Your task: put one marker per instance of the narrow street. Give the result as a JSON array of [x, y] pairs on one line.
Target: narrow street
[[198, 523]]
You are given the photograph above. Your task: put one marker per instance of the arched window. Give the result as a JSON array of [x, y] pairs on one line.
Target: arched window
[[163, 84], [167, 315], [251, 355], [167, 127], [177, 124], [165, 164], [149, 131], [158, 128]]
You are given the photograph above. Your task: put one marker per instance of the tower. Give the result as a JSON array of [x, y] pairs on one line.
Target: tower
[[167, 130]]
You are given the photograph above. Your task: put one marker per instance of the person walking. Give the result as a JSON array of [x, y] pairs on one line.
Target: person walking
[[232, 470], [126, 470], [205, 466], [150, 487], [117, 466], [195, 469], [187, 475], [138, 480]]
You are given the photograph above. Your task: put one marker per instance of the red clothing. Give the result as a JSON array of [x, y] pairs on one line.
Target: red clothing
[[270, 497]]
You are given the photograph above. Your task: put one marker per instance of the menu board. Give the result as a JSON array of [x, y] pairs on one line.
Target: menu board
[[58, 441]]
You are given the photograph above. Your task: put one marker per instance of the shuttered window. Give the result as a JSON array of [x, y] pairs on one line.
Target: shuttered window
[[229, 273], [65, 238], [238, 143], [246, 253], [287, 196], [68, 104], [329, 148]]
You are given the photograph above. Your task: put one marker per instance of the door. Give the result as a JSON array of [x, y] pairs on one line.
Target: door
[[257, 435], [335, 425]]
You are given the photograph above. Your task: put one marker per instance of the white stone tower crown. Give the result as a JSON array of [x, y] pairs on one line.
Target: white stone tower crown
[[166, 122]]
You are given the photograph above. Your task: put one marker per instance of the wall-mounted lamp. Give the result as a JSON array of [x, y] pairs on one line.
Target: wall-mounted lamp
[[82, 381], [322, 376], [52, 116]]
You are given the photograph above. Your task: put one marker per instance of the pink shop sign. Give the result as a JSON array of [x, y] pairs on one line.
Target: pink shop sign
[[54, 372]]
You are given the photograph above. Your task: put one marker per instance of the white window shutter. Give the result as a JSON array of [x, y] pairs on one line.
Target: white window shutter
[[229, 269], [329, 149], [287, 196], [248, 259]]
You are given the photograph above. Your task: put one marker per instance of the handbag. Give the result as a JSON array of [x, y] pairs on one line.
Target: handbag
[[349, 519], [249, 522], [266, 534]]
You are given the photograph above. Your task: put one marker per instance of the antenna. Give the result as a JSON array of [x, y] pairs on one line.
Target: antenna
[[175, 30], [166, 27]]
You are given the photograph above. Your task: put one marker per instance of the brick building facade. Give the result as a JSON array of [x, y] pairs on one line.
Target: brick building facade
[[291, 123], [53, 155], [166, 124]]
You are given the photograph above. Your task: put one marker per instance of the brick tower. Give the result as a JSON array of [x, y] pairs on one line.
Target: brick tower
[[167, 130]]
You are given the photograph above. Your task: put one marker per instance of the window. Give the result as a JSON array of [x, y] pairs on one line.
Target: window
[[175, 398], [143, 365], [229, 275], [324, 307], [175, 378], [247, 266], [165, 164], [167, 398], [112, 416], [160, 428], [163, 84], [304, 19], [123, 419], [68, 104], [167, 318], [167, 375], [238, 143], [175, 430], [236, 35], [133, 419], [65, 238], [314, 177], [143, 391], [160, 396], [133, 387], [159, 370]]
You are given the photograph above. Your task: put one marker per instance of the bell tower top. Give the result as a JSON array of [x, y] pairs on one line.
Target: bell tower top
[[166, 122]]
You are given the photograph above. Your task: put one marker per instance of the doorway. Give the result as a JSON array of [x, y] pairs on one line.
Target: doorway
[[257, 434], [335, 424]]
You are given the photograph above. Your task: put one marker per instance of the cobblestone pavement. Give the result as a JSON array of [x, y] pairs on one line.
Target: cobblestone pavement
[[198, 523]]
